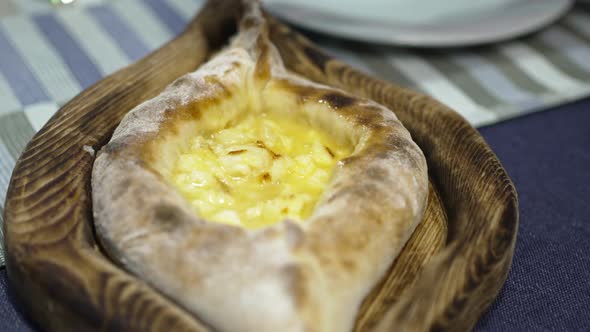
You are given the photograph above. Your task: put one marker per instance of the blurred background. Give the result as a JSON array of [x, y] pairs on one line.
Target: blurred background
[[518, 70]]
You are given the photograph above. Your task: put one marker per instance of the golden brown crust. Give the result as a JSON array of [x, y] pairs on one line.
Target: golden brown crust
[[289, 276]]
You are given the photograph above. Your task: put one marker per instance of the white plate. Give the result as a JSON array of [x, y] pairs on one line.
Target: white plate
[[427, 23]]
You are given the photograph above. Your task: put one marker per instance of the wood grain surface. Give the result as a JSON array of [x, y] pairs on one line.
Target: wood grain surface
[[448, 273], [460, 282]]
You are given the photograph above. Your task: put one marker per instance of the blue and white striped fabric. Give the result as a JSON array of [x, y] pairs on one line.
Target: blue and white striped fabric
[[48, 55]]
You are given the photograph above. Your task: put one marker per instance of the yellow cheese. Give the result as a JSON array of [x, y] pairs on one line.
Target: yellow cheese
[[257, 172]]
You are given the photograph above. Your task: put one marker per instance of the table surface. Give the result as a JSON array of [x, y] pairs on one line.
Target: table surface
[[547, 155]]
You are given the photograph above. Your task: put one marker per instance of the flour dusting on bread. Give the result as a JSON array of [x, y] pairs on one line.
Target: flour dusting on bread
[[309, 276]]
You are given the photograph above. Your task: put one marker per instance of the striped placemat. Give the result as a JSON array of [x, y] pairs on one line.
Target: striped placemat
[[49, 55]]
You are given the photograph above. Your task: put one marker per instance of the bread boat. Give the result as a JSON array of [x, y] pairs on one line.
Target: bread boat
[[327, 222]]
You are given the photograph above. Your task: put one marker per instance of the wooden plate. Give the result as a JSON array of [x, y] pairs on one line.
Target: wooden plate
[[447, 275]]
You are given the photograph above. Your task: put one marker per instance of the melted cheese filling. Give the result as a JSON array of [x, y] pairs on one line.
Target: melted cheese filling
[[257, 172]]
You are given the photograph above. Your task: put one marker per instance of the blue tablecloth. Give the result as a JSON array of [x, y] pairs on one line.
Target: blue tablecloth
[[548, 157], [548, 289]]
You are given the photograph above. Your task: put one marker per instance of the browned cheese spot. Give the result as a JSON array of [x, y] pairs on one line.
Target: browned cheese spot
[[226, 189], [329, 151], [261, 144], [266, 177], [236, 152]]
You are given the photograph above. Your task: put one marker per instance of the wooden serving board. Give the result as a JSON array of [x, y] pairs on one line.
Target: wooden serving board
[[447, 275]]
